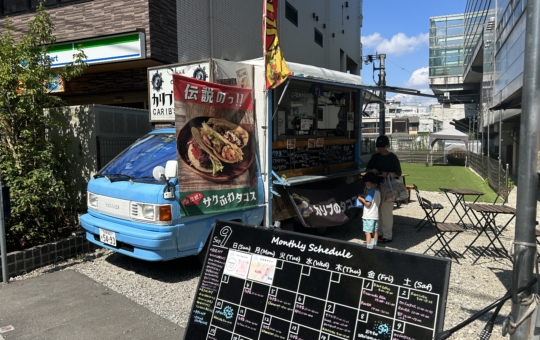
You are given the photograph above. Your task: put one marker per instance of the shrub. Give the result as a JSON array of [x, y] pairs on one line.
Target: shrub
[[33, 164], [456, 156]]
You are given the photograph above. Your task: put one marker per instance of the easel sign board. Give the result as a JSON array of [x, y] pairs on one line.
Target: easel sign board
[[268, 284]]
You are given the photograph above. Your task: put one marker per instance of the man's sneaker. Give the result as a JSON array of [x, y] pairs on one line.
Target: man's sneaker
[[369, 246]]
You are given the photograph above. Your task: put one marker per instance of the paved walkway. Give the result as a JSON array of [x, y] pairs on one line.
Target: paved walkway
[[66, 305]]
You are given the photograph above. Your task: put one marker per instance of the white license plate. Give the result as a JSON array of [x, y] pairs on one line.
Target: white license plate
[[107, 237]]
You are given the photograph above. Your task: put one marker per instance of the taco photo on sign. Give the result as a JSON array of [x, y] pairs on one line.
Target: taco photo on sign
[[222, 148], [200, 157], [230, 131]]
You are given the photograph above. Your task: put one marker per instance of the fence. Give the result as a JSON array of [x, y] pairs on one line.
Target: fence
[[410, 156], [108, 147]]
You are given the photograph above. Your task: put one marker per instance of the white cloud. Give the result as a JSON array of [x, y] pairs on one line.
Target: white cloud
[[410, 99], [419, 78], [398, 45]]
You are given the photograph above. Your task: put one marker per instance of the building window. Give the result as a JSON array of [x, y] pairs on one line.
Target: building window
[[10, 7], [14, 6], [291, 13], [318, 37], [46, 3]]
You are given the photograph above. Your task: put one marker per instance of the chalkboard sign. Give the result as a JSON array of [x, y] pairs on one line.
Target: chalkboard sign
[[281, 159], [333, 154], [260, 283], [317, 157], [348, 153], [300, 158]]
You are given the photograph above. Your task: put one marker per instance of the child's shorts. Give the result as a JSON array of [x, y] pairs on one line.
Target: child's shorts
[[370, 226]]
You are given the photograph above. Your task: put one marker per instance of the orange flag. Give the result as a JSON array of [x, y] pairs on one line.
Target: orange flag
[[276, 68]]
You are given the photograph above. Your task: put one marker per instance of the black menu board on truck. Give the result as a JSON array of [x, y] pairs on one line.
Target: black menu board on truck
[[300, 158], [333, 154], [260, 283], [281, 160]]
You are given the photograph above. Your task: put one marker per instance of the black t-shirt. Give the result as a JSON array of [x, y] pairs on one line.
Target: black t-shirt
[[385, 163]]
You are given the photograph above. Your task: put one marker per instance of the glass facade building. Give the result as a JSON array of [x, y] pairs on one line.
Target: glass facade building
[[446, 45]]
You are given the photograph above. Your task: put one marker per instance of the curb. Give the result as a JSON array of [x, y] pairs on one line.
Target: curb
[[24, 261]]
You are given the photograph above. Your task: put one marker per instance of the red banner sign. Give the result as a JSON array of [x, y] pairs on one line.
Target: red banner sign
[[196, 91]]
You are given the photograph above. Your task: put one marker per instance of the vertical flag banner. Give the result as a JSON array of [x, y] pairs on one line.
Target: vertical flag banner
[[276, 68], [217, 170]]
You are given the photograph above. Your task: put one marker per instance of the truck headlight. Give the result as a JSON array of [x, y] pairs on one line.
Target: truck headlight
[[92, 200], [160, 214], [148, 211]]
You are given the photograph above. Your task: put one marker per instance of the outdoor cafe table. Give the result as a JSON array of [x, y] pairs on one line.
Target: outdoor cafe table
[[487, 224], [459, 195]]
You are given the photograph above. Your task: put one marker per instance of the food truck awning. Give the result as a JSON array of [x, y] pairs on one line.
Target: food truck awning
[[324, 75]]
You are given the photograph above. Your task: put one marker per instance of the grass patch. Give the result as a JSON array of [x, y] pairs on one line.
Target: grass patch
[[447, 176]]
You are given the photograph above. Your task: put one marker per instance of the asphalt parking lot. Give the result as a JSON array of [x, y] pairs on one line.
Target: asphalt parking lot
[[67, 305]]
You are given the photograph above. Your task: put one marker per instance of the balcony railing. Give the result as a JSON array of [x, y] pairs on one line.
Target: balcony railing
[[374, 130]]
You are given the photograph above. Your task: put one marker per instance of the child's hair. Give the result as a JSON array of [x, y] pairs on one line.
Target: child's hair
[[371, 177]]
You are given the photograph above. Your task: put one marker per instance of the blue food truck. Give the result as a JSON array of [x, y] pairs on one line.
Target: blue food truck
[[232, 152]]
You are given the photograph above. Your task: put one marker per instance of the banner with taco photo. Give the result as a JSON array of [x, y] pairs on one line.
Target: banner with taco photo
[[217, 170]]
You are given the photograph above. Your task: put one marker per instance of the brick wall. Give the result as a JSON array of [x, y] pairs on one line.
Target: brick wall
[[97, 18], [21, 262]]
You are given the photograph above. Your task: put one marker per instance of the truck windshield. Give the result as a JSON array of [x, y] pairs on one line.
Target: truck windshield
[[138, 161]]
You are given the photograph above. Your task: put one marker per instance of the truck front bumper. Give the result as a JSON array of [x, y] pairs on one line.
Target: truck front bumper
[[149, 245]]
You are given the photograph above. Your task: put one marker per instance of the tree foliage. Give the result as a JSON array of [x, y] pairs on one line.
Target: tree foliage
[[32, 162]]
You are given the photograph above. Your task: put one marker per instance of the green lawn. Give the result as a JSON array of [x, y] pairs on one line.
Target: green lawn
[[447, 176]]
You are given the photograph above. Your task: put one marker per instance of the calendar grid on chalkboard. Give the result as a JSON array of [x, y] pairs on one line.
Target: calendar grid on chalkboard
[[367, 285], [259, 281]]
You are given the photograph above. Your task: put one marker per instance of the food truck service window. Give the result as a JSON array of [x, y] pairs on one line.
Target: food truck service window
[[309, 109]]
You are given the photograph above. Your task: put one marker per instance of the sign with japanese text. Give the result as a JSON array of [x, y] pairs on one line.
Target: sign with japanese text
[[217, 169], [325, 207], [160, 88], [260, 283]]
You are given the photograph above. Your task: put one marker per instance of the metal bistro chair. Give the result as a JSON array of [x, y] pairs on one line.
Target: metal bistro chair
[[435, 206], [503, 194], [445, 232]]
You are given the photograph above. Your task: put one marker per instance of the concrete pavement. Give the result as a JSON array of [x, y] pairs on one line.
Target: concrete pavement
[[68, 305]]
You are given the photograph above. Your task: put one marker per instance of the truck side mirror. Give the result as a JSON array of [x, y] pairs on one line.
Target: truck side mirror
[[171, 169], [159, 173]]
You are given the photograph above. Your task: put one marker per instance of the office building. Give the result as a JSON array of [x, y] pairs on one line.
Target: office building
[[323, 33]]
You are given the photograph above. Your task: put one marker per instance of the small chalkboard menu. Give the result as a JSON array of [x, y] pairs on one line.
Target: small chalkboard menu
[[317, 156], [300, 158], [347, 153], [333, 154], [260, 283], [281, 159]]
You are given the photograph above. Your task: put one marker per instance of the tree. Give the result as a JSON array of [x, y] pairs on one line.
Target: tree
[[32, 162]]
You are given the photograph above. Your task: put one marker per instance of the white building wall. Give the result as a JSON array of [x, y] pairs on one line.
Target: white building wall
[[237, 31], [446, 113], [299, 45]]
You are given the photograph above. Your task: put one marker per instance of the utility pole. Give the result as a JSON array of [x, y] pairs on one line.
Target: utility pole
[[522, 323], [382, 105], [382, 82]]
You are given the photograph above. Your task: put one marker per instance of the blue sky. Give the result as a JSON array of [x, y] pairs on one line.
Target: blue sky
[[400, 29]]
